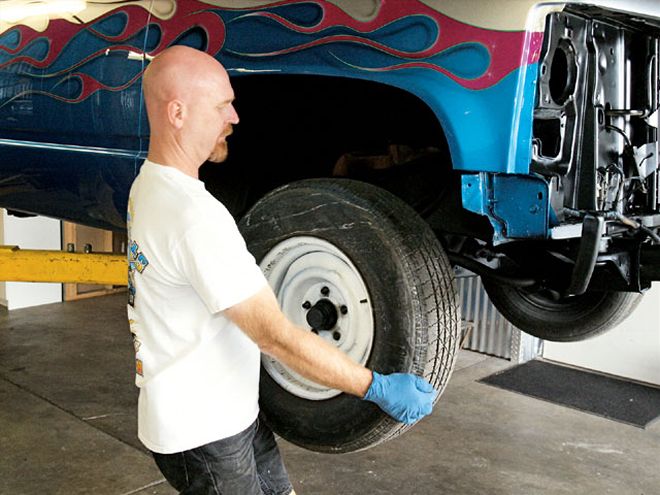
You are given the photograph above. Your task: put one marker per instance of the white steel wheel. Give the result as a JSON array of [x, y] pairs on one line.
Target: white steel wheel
[[319, 289]]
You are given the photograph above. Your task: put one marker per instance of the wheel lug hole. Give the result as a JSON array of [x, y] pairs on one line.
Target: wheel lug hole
[[325, 291], [343, 310], [336, 335], [307, 305]]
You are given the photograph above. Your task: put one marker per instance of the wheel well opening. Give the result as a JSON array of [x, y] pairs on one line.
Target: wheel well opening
[[298, 127]]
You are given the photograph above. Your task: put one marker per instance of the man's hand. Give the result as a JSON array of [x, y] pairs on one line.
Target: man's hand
[[404, 396]]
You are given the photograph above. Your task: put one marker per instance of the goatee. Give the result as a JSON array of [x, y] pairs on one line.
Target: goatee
[[219, 153]]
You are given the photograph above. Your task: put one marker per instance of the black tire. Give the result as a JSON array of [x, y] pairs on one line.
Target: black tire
[[567, 319], [413, 295]]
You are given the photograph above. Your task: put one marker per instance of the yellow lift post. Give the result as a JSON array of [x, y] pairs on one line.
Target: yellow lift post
[[29, 265]]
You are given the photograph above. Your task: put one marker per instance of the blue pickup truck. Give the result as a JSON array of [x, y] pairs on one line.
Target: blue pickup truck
[[382, 143]]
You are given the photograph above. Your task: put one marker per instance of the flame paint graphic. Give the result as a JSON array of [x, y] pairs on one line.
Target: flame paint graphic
[[400, 36], [500, 52], [63, 37]]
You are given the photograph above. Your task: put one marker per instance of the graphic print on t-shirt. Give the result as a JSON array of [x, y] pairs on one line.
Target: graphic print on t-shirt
[[137, 262]]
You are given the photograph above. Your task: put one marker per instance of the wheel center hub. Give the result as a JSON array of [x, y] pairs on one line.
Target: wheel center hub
[[322, 316], [320, 289]]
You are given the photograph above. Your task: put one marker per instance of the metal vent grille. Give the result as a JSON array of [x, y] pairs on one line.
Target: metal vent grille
[[490, 332]]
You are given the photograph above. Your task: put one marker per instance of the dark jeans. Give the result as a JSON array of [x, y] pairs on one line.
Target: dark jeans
[[248, 463]]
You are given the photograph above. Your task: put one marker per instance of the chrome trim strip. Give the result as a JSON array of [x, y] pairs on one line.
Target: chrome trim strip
[[70, 147]]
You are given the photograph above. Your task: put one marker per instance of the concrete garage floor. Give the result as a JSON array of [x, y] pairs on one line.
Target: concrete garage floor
[[67, 426]]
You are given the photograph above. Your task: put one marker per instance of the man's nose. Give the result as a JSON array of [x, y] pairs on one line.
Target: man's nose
[[233, 116]]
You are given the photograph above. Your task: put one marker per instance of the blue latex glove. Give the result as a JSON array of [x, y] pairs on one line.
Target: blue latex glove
[[404, 396]]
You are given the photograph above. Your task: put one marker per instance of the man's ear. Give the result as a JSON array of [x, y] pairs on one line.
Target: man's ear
[[176, 113]]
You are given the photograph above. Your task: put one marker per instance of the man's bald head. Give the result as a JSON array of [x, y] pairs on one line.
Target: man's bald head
[[188, 97], [178, 71]]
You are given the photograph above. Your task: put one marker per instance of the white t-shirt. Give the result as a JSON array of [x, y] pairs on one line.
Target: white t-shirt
[[198, 373]]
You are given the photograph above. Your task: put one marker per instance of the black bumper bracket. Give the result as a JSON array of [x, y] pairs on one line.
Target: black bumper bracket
[[592, 232]]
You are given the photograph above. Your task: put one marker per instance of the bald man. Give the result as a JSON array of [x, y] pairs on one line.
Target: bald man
[[201, 311]]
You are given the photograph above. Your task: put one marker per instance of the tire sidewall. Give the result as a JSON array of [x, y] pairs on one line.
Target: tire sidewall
[[580, 318], [354, 229]]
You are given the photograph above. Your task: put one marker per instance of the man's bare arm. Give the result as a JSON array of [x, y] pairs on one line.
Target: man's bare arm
[[261, 318]]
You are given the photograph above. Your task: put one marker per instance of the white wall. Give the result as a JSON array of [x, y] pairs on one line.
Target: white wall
[[631, 350], [31, 233]]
